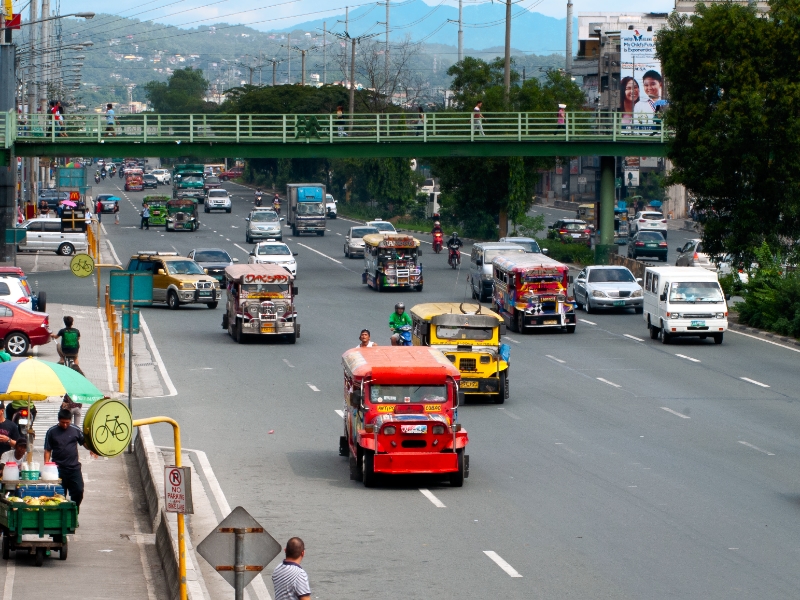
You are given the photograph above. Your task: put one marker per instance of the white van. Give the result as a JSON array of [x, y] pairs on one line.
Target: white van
[[481, 275], [46, 234], [684, 301]]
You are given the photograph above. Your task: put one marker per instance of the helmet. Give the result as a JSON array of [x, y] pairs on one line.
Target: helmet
[[436, 224], [399, 306], [455, 234]]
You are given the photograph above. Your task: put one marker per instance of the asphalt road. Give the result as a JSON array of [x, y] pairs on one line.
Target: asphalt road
[[619, 467]]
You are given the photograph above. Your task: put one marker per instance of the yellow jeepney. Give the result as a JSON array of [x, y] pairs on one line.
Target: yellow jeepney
[[391, 260], [469, 335]]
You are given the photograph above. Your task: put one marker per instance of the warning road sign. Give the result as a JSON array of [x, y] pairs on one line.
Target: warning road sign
[[178, 490]]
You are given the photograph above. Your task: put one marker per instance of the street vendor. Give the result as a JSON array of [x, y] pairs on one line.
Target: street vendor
[[9, 433], [18, 454], [61, 447]]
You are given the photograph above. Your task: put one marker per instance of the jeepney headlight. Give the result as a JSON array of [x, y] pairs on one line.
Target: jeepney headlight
[[438, 430], [599, 294], [253, 309], [390, 430]]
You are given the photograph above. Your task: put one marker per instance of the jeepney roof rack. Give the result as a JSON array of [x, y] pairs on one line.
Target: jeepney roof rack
[[156, 253]]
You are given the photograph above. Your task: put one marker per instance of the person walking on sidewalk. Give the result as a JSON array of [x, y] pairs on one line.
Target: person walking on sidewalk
[[289, 578], [61, 447], [145, 217]]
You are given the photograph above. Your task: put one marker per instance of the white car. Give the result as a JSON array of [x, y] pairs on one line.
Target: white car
[[354, 240], [330, 206], [161, 175], [382, 226], [649, 220], [275, 253], [14, 292], [217, 199]]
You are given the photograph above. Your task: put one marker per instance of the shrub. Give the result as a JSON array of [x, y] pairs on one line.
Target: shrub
[[568, 252]]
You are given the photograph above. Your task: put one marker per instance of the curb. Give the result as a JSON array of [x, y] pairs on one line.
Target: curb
[[763, 334]]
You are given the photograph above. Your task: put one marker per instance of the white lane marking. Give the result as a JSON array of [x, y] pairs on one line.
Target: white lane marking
[[288, 364], [340, 413], [755, 337], [585, 321], [436, 502], [754, 382], [320, 253], [616, 385], [512, 340], [558, 360], [313, 387], [687, 358], [242, 249], [8, 588], [633, 337], [227, 239], [677, 414], [157, 356], [512, 572], [509, 413], [337, 233], [756, 448]]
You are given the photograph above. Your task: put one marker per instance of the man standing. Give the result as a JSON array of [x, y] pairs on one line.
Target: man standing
[[145, 217], [110, 125], [98, 210], [477, 118], [290, 579], [364, 340], [61, 447]]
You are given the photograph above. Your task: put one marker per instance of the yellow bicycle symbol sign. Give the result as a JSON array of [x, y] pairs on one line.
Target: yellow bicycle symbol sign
[[82, 265]]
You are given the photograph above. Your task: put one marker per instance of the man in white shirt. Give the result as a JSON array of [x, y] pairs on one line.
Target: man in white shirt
[[18, 454], [477, 118], [365, 341]]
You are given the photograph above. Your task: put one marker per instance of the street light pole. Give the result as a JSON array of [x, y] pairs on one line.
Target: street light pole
[[507, 64]]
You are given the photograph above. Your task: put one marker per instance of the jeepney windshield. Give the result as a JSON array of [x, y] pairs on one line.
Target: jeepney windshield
[[310, 208], [695, 291], [263, 288], [451, 332], [184, 267], [402, 394], [191, 179]]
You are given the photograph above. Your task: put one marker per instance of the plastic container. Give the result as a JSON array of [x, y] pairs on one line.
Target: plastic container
[[49, 471], [29, 472], [11, 472]]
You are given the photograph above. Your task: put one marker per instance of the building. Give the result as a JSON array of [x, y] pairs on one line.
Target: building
[[687, 6]]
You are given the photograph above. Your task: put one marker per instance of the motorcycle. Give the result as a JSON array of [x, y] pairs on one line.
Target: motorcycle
[[454, 259], [405, 335], [97, 178], [438, 242], [23, 419], [103, 175], [121, 173], [258, 199], [276, 204]]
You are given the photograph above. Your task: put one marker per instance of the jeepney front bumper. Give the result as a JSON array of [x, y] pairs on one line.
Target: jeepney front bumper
[[549, 319]]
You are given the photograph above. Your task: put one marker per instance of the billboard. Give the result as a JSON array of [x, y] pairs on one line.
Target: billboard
[[641, 83]]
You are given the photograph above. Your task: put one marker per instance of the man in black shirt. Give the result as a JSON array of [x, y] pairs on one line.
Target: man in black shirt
[[9, 433], [61, 447]]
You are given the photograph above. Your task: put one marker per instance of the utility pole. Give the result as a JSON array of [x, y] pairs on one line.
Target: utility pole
[[460, 30], [507, 65], [324, 53], [289, 53], [303, 66], [347, 33], [352, 82], [33, 163], [386, 56], [569, 38], [8, 191]]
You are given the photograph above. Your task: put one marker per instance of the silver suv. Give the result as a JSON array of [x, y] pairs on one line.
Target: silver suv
[[217, 199]]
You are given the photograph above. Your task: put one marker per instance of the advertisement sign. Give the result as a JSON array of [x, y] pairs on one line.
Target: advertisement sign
[[642, 82], [631, 177], [649, 161]]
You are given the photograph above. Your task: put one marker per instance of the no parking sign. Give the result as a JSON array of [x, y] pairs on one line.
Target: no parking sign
[[178, 489]]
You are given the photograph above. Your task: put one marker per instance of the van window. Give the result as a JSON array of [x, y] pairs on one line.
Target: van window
[[648, 281], [54, 227], [4, 291], [695, 292]]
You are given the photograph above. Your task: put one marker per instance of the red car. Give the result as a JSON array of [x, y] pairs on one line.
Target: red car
[[211, 182], [20, 329], [231, 173]]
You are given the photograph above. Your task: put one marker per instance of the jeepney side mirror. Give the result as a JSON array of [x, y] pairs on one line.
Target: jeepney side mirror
[[282, 219], [663, 297], [294, 290], [571, 279], [160, 272], [545, 251], [247, 218], [728, 297], [478, 262], [461, 398], [205, 271], [503, 328]]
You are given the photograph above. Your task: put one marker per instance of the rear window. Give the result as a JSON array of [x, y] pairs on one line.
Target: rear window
[[574, 226], [212, 256], [273, 250], [212, 179], [650, 236], [362, 231], [652, 216], [4, 291], [217, 193], [383, 226]]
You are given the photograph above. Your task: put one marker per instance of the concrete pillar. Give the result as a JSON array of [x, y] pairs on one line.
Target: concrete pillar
[[8, 175], [605, 245]]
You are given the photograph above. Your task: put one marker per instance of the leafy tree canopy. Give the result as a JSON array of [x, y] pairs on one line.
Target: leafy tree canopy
[[287, 99], [183, 92], [735, 110]]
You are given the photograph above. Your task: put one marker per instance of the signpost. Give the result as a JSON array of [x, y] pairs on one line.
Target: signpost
[[178, 490], [239, 549]]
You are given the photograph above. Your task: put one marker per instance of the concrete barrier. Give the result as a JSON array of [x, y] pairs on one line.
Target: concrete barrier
[[151, 473], [636, 267]]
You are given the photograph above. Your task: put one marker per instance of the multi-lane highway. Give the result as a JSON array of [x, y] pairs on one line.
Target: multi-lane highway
[[618, 468]]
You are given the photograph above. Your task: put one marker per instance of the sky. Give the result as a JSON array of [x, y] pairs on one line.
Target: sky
[[279, 14]]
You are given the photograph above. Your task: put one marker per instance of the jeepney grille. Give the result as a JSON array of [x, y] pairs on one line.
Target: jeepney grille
[[467, 364], [204, 285]]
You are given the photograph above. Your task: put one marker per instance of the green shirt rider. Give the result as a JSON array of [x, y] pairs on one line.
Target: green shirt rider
[[399, 318]]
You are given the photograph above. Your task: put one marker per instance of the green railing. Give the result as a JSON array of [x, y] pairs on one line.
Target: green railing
[[330, 129]]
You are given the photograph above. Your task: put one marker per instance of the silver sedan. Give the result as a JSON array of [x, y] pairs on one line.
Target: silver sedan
[[608, 286], [354, 240]]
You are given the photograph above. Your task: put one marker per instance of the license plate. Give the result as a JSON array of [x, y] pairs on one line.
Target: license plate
[[433, 408], [698, 324], [466, 385], [414, 429], [386, 408], [576, 235], [619, 302], [204, 293], [268, 329], [551, 322], [651, 245]]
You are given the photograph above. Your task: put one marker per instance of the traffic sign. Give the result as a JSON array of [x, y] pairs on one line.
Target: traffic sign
[[81, 265], [256, 548], [108, 427], [178, 490]]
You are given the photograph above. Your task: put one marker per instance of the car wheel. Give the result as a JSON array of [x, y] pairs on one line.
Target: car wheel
[[502, 391], [41, 302], [587, 306], [665, 337], [248, 239], [172, 300], [638, 310], [521, 323], [368, 469], [457, 479], [346, 252], [238, 337], [212, 305], [206, 210], [17, 343], [228, 210], [654, 331], [66, 249], [718, 338]]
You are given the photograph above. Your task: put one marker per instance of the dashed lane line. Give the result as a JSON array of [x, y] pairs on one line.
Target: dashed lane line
[[320, 253], [245, 250], [588, 322], [558, 360], [676, 413], [754, 382], [756, 448], [633, 337], [313, 387], [512, 340], [288, 364], [495, 557], [763, 340], [616, 385], [339, 412], [687, 358], [429, 495]]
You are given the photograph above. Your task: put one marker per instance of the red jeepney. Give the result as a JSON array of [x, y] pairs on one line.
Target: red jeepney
[[401, 413], [134, 181]]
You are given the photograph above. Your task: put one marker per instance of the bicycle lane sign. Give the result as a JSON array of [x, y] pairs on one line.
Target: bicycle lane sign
[[178, 489], [108, 427]]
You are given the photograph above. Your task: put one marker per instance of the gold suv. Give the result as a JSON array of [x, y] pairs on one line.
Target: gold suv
[[176, 279]]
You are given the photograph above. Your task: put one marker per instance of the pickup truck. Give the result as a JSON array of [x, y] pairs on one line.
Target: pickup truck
[[231, 174], [46, 234]]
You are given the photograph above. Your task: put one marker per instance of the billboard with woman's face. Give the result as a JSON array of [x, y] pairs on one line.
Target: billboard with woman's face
[[641, 72]]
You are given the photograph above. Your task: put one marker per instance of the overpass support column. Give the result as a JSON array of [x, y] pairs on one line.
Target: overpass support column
[[8, 213], [605, 245]]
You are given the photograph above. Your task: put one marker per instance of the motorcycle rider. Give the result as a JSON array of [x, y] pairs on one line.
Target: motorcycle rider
[[276, 203], [258, 195], [397, 320], [437, 228], [454, 243]]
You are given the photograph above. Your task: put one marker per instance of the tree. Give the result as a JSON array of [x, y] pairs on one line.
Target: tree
[[183, 92], [735, 112]]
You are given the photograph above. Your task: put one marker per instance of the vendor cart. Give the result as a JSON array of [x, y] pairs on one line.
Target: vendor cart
[[18, 519]]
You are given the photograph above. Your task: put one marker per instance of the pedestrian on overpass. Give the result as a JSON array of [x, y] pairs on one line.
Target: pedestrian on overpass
[[477, 118], [340, 120], [110, 124], [61, 447], [290, 579]]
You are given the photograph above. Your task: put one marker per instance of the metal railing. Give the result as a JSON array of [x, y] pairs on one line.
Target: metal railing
[[330, 129]]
